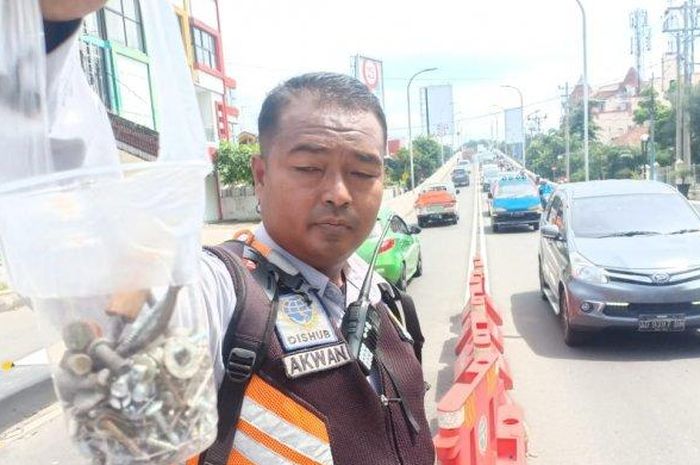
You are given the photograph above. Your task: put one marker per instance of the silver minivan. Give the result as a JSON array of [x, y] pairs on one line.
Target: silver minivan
[[620, 254]]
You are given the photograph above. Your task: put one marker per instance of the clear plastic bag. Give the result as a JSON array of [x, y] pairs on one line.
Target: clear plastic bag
[[106, 252]]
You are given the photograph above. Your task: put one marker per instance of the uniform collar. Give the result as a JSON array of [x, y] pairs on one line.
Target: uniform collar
[[312, 276], [354, 270]]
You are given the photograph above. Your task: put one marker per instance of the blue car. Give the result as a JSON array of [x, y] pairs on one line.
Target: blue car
[[515, 202]]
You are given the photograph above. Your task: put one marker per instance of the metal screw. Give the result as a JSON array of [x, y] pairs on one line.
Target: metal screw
[[156, 414], [101, 350]]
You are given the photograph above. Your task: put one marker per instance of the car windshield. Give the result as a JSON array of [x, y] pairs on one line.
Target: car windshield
[[458, 172], [510, 190], [632, 215]]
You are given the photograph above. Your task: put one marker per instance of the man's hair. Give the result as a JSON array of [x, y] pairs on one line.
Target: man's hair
[[331, 89]]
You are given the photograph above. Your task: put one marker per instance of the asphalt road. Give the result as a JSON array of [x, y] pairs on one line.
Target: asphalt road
[[626, 399]]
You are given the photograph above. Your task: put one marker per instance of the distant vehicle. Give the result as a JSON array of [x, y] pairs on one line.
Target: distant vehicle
[[466, 164], [460, 176], [515, 202], [489, 174], [399, 256], [437, 203], [620, 254]]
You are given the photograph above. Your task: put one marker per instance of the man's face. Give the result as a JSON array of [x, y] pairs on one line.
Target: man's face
[[321, 181]]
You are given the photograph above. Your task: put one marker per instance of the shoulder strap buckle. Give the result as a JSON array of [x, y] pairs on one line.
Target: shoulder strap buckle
[[240, 364]]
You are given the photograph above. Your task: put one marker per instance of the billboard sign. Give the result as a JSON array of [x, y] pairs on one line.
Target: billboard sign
[[437, 110], [514, 126]]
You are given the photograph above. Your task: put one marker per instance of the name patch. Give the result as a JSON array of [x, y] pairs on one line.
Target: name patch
[[313, 361], [303, 323]]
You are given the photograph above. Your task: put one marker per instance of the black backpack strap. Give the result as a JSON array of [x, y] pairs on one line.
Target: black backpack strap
[[404, 309], [245, 343]]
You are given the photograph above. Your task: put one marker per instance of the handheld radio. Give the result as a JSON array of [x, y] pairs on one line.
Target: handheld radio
[[360, 325]]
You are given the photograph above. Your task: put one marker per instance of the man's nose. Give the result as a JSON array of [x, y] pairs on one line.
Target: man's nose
[[335, 190]]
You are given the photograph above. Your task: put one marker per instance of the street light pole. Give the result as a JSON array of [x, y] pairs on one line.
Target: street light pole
[[410, 134], [585, 91], [522, 121]]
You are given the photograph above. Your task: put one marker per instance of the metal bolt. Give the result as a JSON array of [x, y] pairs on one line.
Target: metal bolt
[[77, 335], [79, 364], [155, 412], [101, 350], [142, 392]]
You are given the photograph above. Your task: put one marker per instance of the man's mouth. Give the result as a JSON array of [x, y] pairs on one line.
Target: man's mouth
[[334, 224]]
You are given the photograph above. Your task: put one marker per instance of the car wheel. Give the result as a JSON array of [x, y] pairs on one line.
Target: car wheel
[[402, 283], [421, 223], [572, 337], [543, 295], [419, 266]]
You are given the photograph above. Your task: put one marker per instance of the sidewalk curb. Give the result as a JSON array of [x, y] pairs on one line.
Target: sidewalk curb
[[33, 391]]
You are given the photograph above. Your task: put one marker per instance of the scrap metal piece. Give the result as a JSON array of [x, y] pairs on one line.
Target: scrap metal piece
[[79, 364], [149, 324], [77, 335], [103, 352]]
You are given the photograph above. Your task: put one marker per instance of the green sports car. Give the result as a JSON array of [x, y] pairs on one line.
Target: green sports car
[[399, 256]]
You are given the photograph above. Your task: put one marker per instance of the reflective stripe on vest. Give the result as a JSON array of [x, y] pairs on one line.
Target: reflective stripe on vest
[[274, 428]]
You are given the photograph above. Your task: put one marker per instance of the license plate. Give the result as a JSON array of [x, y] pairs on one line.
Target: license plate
[[662, 323], [435, 209]]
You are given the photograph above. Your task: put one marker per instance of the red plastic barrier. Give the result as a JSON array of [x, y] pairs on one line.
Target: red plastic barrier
[[511, 443], [467, 416], [478, 422]]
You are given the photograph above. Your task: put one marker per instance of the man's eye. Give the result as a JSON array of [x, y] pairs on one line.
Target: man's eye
[[307, 169], [363, 175]]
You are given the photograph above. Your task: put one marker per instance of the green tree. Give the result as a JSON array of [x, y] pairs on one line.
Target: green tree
[[664, 117], [577, 123], [426, 157], [233, 162]]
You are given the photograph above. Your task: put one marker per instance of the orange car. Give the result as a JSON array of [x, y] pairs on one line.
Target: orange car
[[437, 203]]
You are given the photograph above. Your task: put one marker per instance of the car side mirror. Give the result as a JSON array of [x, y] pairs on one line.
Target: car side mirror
[[414, 229], [490, 195], [551, 231], [457, 191]]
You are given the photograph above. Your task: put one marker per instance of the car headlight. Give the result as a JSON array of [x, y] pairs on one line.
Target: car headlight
[[499, 210], [586, 271]]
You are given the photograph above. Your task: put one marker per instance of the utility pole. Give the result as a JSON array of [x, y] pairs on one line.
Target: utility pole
[[652, 130], [688, 37], [681, 22], [567, 129]]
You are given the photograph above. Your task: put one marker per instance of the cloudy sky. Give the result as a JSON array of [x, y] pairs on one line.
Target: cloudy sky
[[477, 46]]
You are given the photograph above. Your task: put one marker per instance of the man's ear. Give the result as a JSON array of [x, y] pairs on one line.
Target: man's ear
[[258, 167]]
